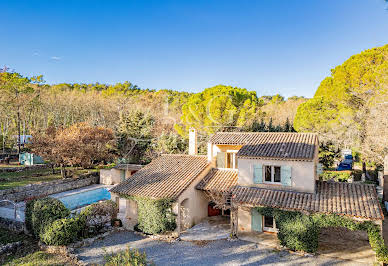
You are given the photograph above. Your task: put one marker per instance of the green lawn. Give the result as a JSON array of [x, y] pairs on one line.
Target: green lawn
[[16, 179]]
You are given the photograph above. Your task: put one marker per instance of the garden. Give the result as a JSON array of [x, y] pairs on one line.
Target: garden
[[50, 223]]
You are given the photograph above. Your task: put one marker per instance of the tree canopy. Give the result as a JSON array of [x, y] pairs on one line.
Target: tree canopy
[[344, 105], [218, 107]]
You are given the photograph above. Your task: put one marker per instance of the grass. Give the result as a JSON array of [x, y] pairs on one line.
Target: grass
[[41, 258], [22, 178]]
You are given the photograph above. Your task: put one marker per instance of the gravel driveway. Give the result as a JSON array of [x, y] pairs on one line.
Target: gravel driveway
[[220, 252]]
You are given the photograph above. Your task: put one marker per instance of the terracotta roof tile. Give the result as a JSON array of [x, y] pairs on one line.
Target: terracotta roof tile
[[350, 199], [165, 177], [219, 180], [280, 145]]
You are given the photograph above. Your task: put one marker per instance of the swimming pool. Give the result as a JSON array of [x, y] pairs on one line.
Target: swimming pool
[[84, 198]]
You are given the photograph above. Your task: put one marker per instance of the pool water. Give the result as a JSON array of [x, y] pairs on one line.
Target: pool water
[[81, 199]]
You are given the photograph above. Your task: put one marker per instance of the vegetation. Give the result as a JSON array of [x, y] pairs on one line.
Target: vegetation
[[63, 231], [300, 232], [41, 258], [155, 216], [339, 176], [40, 213], [129, 257], [22, 178], [328, 153], [349, 107], [7, 236], [76, 145]]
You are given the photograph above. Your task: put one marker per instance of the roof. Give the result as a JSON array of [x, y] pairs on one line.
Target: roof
[[350, 199], [279, 145], [132, 167], [219, 180], [165, 177]]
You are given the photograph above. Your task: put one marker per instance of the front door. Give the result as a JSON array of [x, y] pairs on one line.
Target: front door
[[256, 220]]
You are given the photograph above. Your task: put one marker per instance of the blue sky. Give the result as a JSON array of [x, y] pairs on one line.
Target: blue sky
[[284, 47]]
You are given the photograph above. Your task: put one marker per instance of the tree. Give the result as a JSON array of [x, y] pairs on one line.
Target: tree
[[218, 108], [17, 93], [134, 135], [77, 145], [328, 152], [342, 108]]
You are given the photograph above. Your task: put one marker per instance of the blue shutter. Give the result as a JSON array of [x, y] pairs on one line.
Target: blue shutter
[[285, 173], [257, 173], [256, 221]]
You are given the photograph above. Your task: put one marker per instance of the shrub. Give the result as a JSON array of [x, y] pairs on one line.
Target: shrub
[[298, 231], [342, 176], [155, 216], [97, 215], [299, 234], [42, 212], [127, 257], [63, 231]]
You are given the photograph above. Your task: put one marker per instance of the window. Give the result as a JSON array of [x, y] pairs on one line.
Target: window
[[269, 224], [227, 159], [268, 173], [272, 174]]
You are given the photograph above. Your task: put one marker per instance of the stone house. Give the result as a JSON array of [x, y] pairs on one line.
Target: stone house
[[243, 171]]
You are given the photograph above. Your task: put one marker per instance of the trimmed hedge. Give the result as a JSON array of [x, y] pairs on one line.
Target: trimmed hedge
[[42, 212], [63, 231], [300, 232], [155, 216], [339, 176]]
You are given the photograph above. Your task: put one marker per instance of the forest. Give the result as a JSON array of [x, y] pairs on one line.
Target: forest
[[348, 110]]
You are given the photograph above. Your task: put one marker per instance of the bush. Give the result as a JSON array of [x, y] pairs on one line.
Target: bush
[[127, 257], [342, 176], [299, 234], [42, 212], [97, 215], [155, 216], [63, 231]]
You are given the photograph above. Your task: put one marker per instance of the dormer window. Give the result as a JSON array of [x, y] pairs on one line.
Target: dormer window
[[272, 174], [227, 159]]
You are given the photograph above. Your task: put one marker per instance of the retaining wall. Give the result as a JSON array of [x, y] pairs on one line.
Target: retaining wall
[[47, 188]]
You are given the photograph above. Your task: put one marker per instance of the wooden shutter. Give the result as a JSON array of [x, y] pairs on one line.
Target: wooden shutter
[[257, 173], [285, 174], [256, 221], [221, 158]]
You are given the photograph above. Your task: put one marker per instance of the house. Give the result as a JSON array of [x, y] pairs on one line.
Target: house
[[118, 173], [243, 171]]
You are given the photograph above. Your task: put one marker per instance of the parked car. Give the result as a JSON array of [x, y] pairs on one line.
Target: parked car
[[346, 164]]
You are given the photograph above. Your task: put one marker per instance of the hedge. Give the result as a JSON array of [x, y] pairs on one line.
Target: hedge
[[300, 232], [339, 176], [63, 231], [155, 216], [42, 212]]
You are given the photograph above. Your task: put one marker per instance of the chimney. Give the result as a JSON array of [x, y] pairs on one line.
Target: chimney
[[193, 147]]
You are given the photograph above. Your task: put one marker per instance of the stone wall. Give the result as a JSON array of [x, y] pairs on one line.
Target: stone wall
[[12, 225], [47, 188], [20, 168]]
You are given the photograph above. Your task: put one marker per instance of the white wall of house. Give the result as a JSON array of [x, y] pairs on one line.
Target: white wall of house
[[302, 174], [193, 204]]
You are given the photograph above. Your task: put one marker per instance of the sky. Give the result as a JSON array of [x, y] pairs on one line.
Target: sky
[[285, 47]]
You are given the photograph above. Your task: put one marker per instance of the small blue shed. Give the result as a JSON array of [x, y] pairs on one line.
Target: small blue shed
[[27, 158]]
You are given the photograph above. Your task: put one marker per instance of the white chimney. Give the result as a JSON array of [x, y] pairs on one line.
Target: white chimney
[[193, 147]]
